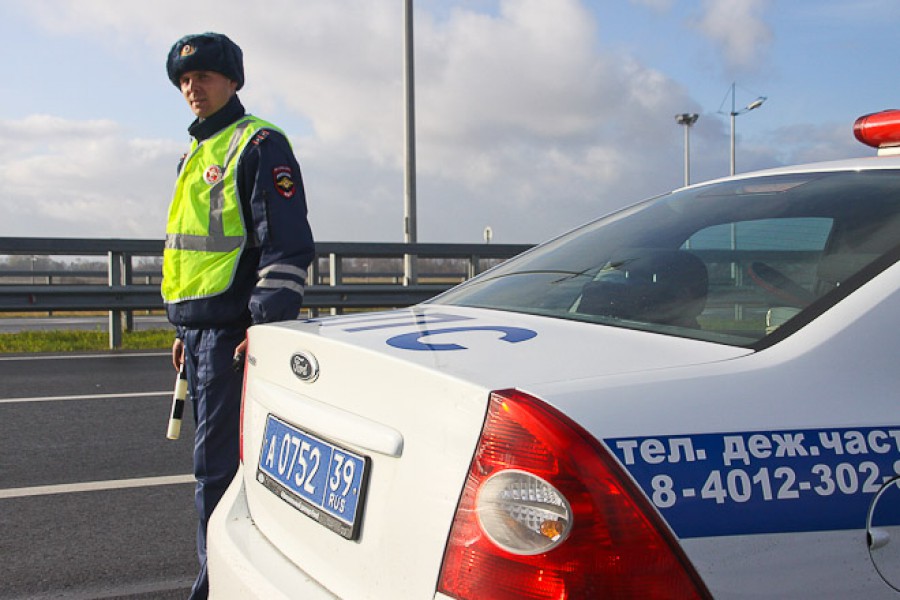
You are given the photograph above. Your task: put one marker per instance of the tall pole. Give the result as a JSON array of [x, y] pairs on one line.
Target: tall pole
[[733, 115], [409, 187], [687, 119], [738, 309], [735, 272]]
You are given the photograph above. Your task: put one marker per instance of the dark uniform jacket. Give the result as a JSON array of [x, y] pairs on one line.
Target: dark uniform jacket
[[268, 284]]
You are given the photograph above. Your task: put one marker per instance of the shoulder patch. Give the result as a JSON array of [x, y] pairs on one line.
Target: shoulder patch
[[284, 181], [260, 137]]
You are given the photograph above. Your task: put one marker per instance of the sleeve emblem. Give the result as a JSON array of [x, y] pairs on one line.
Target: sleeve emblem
[[284, 181]]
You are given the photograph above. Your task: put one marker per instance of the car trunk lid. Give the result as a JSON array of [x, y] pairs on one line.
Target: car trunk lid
[[406, 392]]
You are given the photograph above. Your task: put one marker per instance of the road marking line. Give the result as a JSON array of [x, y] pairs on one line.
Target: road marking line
[[95, 486], [71, 356], [127, 591], [84, 397]]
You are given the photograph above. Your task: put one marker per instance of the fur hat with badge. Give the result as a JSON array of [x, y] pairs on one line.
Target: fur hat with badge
[[206, 52]]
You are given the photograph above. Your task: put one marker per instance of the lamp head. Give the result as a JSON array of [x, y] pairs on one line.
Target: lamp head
[[687, 119]]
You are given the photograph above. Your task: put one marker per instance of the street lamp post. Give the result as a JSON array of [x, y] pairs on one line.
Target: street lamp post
[[735, 272], [687, 119], [409, 204], [734, 113]]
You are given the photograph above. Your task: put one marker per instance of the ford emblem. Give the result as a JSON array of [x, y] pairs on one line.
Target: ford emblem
[[305, 366]]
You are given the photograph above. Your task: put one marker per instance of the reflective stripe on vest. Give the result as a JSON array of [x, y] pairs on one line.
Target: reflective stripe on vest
[[206, 232]]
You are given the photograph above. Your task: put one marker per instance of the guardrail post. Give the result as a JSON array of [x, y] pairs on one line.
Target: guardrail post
[[474, 259], [335, 275], [410, 274], [115, 316], [313, 278], [312, 273], [127, 280]]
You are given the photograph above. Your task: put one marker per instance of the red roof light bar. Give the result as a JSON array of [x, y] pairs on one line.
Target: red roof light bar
[[880, 130]]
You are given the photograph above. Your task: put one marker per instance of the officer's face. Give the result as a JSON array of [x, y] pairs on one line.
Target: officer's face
[[206, 91]]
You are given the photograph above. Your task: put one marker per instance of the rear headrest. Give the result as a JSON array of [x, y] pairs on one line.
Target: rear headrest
[[652, 285]]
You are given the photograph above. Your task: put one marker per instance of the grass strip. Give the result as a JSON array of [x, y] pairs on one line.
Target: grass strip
[[82, 341]]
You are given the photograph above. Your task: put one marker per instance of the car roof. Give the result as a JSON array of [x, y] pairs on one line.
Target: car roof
[[867, 163]]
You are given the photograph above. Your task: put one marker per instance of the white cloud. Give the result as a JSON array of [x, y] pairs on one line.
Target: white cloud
[[738, 28], [810, 143], [83, 179], [35, 127]]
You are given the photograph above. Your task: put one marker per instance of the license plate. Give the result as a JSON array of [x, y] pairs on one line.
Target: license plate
[[320, 479]]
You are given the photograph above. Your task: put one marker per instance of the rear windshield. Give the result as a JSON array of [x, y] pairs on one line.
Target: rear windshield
[[734, 262]]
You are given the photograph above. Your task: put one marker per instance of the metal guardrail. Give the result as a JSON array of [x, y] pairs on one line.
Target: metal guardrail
[[327, 290], [119, 299]]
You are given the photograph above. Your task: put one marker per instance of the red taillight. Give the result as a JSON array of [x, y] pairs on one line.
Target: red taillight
[[879, 130], [615, 545]]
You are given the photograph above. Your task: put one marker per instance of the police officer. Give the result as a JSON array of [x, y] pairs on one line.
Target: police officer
[[237, 248]]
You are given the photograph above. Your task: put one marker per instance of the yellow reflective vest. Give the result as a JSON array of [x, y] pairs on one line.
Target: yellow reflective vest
[[205, 232]]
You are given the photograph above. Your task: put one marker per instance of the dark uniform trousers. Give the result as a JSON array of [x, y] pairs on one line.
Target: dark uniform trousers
[[215, 389]]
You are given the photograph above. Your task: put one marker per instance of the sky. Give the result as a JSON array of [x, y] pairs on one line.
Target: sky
[[532, 116]]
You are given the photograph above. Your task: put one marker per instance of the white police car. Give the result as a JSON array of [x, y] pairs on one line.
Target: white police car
[[697, 396]]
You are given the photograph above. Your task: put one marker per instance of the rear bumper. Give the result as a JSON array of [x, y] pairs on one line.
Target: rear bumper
[[243, 564]]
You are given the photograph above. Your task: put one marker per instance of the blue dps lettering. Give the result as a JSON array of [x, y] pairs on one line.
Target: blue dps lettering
[[413, 341], [421, 320]]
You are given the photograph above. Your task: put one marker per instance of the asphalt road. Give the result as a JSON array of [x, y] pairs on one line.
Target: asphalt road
[[95, 502]]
